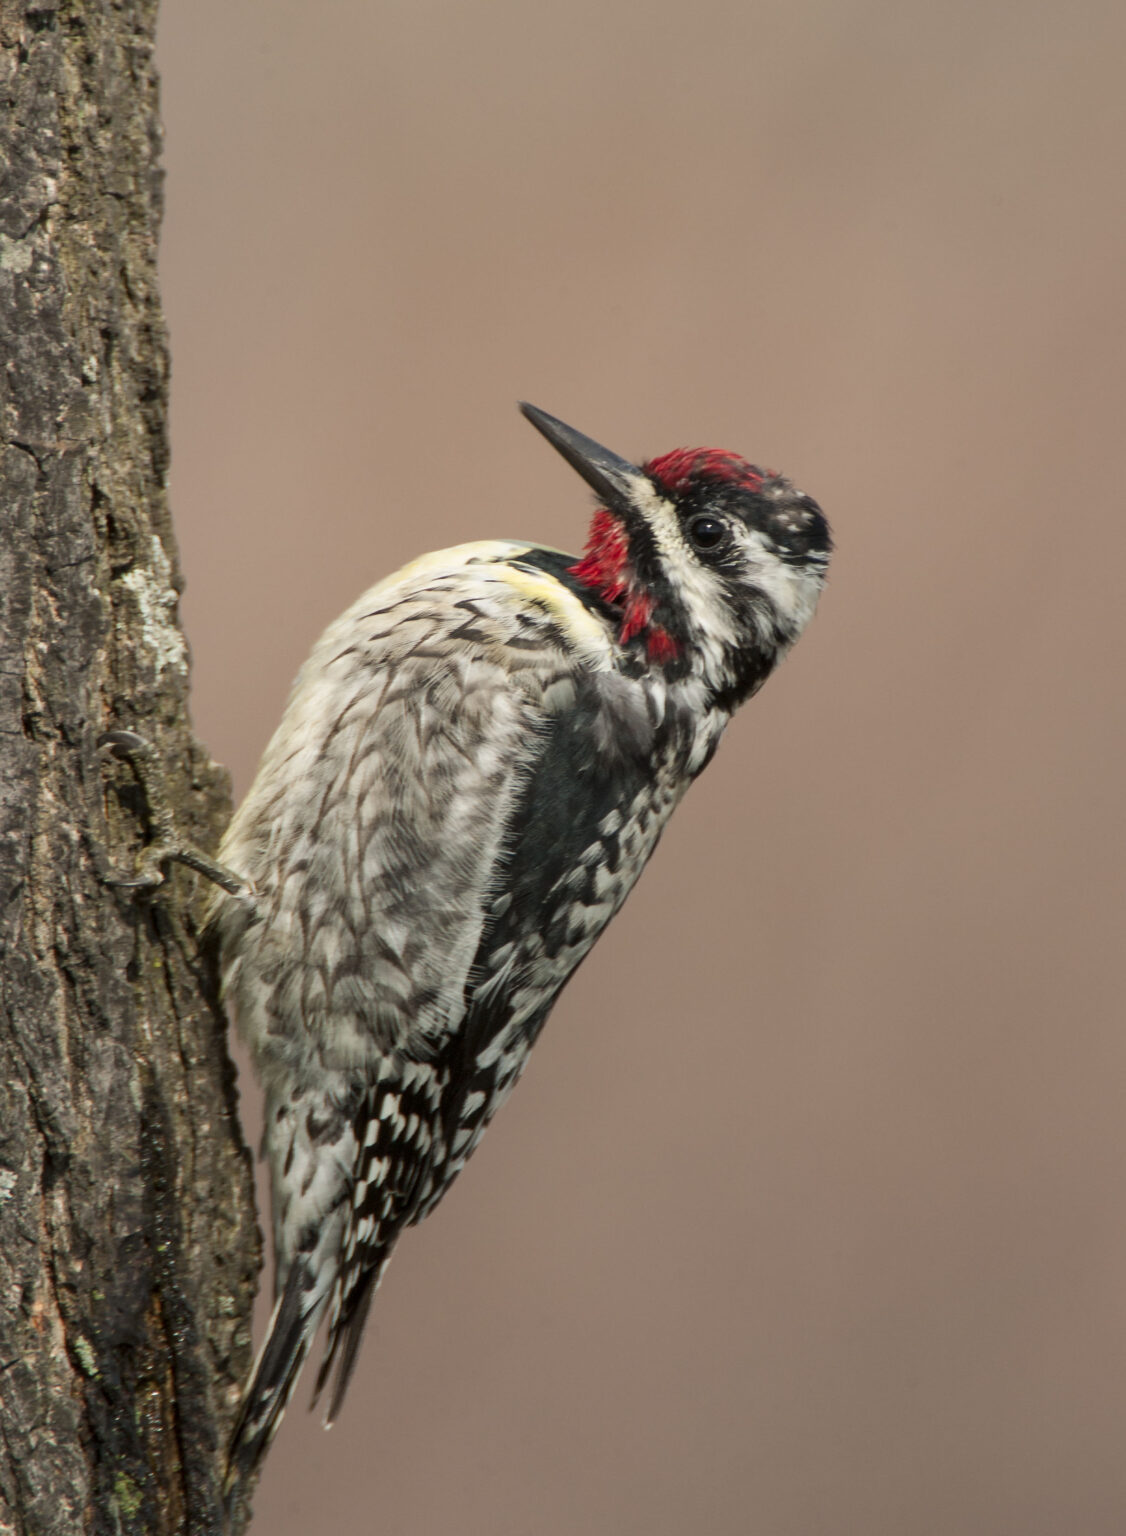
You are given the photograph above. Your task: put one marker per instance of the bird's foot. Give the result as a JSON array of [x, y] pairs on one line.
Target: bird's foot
[[167, 847]]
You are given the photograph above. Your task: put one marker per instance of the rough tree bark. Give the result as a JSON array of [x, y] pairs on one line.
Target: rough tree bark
[[128, 1246]]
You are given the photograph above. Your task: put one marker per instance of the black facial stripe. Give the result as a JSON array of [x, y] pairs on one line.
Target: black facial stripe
[[652, 578], [643, 547]]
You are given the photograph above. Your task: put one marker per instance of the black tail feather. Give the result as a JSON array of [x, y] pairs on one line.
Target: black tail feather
[[344, 1344], [274, 1376]]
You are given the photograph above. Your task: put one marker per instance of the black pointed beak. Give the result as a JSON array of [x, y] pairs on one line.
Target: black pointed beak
[[614, 479]]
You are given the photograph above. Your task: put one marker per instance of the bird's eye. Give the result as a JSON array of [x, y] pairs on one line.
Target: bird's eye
[[706, 533]]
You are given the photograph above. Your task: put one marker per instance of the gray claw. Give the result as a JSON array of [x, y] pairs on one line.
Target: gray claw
[[122, 743], [133, 882]]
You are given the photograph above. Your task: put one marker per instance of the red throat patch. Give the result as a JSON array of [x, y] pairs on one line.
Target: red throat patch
[[605, 562], [605, 567]]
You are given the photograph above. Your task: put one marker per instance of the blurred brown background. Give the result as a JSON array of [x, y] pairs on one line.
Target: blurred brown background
[[809, 1218]]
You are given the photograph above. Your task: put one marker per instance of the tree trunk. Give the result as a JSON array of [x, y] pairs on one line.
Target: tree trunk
[[128, 1248]]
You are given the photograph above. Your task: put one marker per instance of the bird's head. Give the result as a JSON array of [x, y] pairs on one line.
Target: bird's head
[[714, 566]]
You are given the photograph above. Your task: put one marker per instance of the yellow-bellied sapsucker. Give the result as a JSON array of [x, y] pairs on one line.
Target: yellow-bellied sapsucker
[[474, 765]]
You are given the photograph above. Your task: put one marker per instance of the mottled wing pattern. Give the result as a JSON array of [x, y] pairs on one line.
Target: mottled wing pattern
[[376, 818]]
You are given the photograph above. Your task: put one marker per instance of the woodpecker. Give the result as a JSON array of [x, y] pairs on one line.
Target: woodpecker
[[474, 766]]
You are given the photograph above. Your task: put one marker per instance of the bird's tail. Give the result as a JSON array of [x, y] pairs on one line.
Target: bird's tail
[[274, 1377], [345, 1330]]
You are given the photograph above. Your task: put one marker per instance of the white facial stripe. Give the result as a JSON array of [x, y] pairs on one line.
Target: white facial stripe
[[699, 590], [661, 516]]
